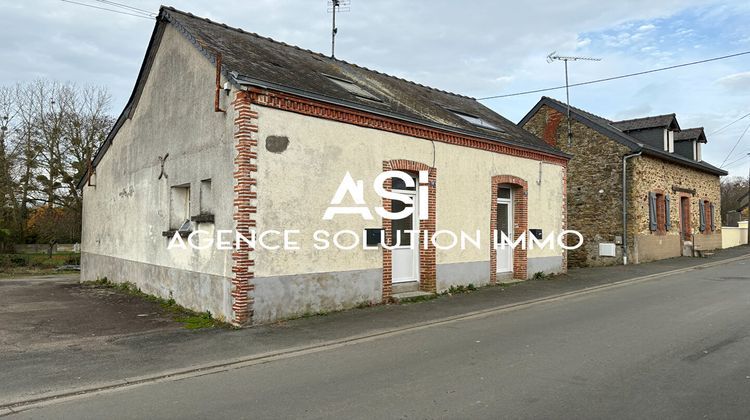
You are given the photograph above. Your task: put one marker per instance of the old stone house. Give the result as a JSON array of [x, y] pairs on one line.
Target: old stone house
[[638, 185], [230, 131]]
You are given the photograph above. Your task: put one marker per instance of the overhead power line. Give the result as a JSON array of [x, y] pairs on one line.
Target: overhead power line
[[738, 160], [607, 79], [140, 15], [125, 6], [735, 146], [731, 123]]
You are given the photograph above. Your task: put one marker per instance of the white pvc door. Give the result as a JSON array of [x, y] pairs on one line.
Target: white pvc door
[[504, 225], [405, 256]]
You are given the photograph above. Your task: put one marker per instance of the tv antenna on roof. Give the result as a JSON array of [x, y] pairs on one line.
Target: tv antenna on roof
[[553, 56], [333, 7]]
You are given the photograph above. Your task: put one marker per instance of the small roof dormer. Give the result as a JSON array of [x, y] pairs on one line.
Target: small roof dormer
[[687, 143], [691, 134], [657, 131], [667, 121]]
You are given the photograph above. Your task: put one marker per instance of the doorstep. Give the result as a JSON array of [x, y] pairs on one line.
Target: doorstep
[[404, 287], [407, 296]]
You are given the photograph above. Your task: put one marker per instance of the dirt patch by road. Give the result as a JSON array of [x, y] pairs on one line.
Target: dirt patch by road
[[57, 311]]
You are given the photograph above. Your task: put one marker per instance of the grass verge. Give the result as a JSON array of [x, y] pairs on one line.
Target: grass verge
[[190, 319]]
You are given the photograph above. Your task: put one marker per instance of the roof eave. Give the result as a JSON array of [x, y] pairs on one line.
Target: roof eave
[[249, 81], [693, 164]]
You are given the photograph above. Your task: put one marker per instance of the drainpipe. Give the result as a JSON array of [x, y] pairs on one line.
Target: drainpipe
[[625, 205], [217, 95]]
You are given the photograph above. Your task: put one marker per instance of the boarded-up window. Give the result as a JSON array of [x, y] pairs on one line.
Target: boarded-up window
[[179, 205], [207, 197]]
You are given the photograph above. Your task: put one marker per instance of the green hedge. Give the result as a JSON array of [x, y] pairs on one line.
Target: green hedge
[[41, 260]]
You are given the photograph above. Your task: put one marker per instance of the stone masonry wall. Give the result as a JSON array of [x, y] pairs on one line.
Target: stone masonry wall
[[594, 184], [652, 174]]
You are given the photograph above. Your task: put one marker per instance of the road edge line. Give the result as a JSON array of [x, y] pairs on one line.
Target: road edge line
[[260, 358]]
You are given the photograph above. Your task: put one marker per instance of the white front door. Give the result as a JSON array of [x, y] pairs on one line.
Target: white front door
[[405, 256], [504, 225]]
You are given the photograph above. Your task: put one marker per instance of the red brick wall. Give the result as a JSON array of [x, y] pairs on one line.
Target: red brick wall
[[245, 208]]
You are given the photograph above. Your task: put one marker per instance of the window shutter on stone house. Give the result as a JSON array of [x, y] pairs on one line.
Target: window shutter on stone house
[[667, 221], [702, 209], [713, 226], [652, 211]]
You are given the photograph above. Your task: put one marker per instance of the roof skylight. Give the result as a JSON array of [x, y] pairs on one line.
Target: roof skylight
[[354, 89], [475, 120]]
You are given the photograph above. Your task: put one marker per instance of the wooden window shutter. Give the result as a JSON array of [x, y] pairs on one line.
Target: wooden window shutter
[[702, 208], [667, 221], [652, 211], [713, 226]]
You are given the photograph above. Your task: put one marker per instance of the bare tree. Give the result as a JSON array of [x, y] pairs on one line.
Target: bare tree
[[733, 189], [51, 134]]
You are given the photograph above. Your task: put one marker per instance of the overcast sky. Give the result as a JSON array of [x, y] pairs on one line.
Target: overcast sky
[[478, 48]]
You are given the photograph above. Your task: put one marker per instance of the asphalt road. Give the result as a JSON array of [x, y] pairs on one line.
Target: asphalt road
[[676, 347]]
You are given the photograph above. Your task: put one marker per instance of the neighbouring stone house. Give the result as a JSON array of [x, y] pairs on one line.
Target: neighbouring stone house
[[230, 131], [672, 195]]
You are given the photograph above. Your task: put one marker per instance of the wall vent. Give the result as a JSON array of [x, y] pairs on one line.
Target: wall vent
[[607, 250]]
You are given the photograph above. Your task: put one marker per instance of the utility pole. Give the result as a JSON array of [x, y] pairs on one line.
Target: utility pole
[[554, 57], [333, 6], [748, 205]]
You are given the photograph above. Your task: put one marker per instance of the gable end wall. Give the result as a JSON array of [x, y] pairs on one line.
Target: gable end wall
[[594, 183]]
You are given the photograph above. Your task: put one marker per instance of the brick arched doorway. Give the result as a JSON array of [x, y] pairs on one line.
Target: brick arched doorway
[[517, 208], [427, 263]]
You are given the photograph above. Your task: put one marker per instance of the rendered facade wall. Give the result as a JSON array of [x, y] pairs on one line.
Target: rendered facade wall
[[295, 187], [125, 214], [259, 182]]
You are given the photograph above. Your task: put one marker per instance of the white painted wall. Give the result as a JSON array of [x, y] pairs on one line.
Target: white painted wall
[[734, 236], [296, 186], [125, 214]]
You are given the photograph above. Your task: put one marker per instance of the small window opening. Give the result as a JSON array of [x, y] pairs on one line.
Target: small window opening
[[206, 198], [179, 206]]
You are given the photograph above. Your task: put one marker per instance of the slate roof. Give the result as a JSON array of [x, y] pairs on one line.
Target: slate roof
[[657, 121], [690, 134], [255, 60], [607, 128]]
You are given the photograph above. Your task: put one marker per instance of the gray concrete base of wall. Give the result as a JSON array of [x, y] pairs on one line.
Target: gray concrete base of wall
[[281, 297], [284, 297], [196, 291], [462, 274], [546, 265]]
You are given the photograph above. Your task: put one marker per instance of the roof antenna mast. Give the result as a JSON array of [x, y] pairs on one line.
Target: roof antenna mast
[[553, 56], [333, 7]]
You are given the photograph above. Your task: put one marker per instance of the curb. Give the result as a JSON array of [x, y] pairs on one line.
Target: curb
[[261, 358]]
